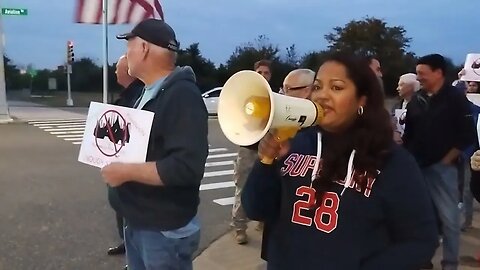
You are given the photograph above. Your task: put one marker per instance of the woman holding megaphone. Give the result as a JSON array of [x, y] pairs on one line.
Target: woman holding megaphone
[[342, 195]]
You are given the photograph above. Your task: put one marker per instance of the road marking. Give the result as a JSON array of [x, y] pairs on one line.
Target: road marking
[[56, 121], [76, 142], [71, 136], [218, 185], [217, 173], [64, 129], [222, 155], [216, 150], [225, 201], [74, 125], [60, 124], [219, 163], [66, 132], [56, 127], [73, 139]]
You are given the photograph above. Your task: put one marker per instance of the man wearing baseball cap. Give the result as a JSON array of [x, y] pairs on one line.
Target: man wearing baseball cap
[[159, 198]]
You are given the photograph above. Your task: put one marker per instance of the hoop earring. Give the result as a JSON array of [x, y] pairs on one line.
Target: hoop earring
[[360, 110]]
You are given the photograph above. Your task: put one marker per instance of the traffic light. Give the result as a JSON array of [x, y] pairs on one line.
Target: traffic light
[[70, 54]]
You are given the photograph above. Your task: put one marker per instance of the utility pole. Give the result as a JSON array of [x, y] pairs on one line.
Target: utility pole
[[4, 114]]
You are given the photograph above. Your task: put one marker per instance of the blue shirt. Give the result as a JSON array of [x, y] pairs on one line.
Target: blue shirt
[[193, 226], [149, 92]]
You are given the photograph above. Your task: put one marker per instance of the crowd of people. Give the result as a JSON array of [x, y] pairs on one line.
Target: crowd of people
[[368, 188]]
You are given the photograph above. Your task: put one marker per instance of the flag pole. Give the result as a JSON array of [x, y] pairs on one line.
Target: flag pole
[[105, 50]]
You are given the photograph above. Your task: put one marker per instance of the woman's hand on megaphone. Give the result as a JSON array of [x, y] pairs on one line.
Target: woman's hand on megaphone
[[272, 147]]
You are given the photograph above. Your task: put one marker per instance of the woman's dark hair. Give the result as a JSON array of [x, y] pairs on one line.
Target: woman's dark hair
[[371, 135]]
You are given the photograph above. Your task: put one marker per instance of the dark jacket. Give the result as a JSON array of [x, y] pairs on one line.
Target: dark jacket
[[391, 225], [179, 146], [130, 94], [436, 124]]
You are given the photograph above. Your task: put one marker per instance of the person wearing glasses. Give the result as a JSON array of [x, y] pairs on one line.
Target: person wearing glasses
[[242, 167], [298, 83]]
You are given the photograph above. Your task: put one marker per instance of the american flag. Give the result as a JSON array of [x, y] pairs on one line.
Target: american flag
[[119, 11]]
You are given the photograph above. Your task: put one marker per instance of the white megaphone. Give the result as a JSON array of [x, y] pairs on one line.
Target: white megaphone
[[248, 109]]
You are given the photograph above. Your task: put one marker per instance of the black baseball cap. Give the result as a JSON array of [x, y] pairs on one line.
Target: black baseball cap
[[155, 31]]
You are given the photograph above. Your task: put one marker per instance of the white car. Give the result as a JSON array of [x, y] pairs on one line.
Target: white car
[[211, 100]]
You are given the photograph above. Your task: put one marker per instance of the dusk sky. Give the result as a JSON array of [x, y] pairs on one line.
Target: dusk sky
[[449, 27]]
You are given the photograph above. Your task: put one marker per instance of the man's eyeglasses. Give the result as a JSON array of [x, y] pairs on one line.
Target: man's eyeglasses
[[295, 88]]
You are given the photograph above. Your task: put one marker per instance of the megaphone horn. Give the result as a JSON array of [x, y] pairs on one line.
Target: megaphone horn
[[248, 109]]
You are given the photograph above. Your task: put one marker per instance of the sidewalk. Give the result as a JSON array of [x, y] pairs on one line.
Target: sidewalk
[[225, 254], [24, 111]]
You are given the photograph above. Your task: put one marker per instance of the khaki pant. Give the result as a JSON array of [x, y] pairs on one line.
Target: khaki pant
[[242, 166]]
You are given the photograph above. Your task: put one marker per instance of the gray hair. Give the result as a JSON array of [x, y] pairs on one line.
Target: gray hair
[[410, 78], [305, 75]]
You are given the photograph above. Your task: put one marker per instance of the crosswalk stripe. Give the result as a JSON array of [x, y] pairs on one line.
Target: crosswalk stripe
[[216, 150], [73, 139], [76, 142], [225, 201], [217, 185], [60, 124], [67, 132], [57, 127], [217, 173], [71, 136], [222, 155], [219, 163], [56, 121], [64, 129], [74, 125]]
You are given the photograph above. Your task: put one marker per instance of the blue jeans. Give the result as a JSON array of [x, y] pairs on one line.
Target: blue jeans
[[467, 195], [442, 182], [151, 250]]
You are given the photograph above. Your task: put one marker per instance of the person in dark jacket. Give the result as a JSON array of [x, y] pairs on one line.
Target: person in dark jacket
[[159, 198], [438, 128], [343, 195], [132, 90]]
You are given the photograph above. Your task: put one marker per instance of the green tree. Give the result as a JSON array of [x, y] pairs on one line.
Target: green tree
[[244, 57], [13, 78], [372, 36], [313, 60], [86, 76], [292, 57], [204, 69]]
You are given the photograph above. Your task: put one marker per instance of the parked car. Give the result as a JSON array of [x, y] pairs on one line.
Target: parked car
[[211, 100]]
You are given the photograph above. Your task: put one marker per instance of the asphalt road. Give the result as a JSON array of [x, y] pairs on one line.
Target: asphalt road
[[54, 211]]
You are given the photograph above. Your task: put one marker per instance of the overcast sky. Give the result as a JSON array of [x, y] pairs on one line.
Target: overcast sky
[[435, 26]]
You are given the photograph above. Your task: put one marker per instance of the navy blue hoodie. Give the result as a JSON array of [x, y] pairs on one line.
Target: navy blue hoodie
[[391, 225]]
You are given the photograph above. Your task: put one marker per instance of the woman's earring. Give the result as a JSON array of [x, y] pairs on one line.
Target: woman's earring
[[360, 110]]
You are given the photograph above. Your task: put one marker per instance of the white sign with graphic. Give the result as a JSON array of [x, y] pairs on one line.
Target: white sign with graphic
[[474, 98], [115, 134], [472, 68], [400, 115]]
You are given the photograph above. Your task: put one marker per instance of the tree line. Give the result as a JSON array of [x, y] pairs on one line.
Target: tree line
[[369, 36]]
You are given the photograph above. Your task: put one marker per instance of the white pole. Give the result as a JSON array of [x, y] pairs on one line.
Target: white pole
[[105, 51], [4, 115], [69, 86]]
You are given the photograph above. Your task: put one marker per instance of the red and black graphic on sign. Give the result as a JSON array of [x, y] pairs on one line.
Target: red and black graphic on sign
[[113, 126], [476, 66]]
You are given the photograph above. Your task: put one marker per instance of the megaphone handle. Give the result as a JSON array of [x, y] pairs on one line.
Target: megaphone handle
[[281, 134], [267, 160]]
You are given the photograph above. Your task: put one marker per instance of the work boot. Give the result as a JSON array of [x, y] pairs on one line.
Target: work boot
[[259, 226], [241, 237]]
